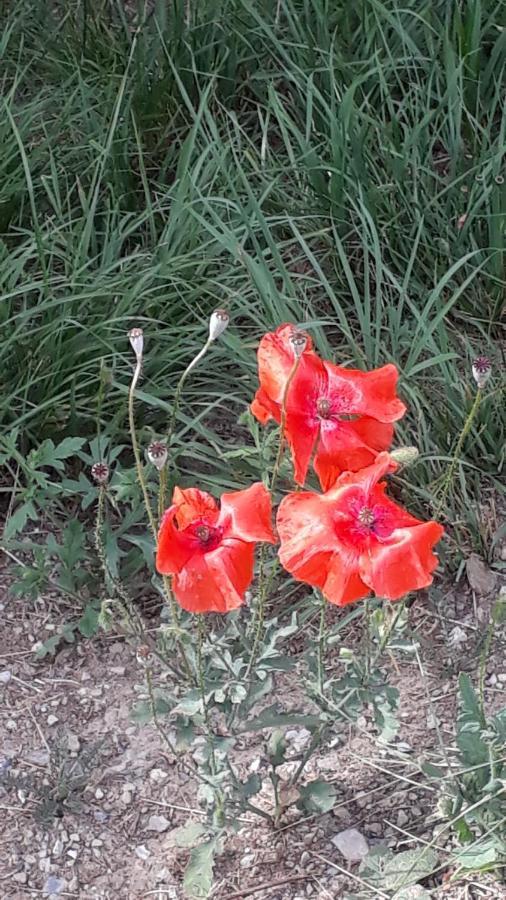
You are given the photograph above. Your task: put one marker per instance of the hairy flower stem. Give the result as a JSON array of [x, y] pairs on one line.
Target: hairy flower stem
[[135, 447], [448, 481], [175, 409], [264, 583], [321, 646], [202, 688], [282, 426], [191, 770], [336, 708]]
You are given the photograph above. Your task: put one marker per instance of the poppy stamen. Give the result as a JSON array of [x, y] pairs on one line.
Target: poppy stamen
[[366, 517], [203, 532], [324, 408]]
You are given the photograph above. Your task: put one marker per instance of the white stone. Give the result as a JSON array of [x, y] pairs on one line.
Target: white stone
[[5, 676], [158, 824], [52, 719], [351, 844], [142, 852]]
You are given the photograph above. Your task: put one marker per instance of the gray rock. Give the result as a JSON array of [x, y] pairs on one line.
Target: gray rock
[[5, 676], [52, 719], [73, 742], [158, 824], [53, 885], [402, 818], [351, 844], [479, 576]]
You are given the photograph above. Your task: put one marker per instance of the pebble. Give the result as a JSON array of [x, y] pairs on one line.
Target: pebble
[[247, 861], [351, 844], [157, 775], [52, 719], [158, 824], [11, 725], [53, 885], [73, 743], [5, 677], [502, 677], [142, 852], [375, 828], [57, 848], [73, 854], [304, 858], [402, 818], [20, 877], [99, 794]]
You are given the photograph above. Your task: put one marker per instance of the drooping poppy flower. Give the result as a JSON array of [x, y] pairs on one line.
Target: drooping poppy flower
[[209, 549], [344, 416], [276, 356], [353, 540]]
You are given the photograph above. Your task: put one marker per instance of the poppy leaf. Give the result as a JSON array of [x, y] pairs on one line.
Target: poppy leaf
[[198, 877], [317, 797]]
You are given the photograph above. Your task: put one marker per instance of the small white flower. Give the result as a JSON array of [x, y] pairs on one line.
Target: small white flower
[[217, 323], [136, 337]]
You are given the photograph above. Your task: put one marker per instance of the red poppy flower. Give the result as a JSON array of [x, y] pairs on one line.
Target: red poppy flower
[[354, 540], [343, 416], [209, 549], [276, 358]]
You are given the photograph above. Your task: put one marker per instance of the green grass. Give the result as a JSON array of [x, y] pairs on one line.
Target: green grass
[[297, 160]]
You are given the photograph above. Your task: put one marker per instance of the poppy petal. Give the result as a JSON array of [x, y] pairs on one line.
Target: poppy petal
[[275, 361], [174, 548], [247, 515], [307, 536], [263, 408], [343, 583], [216, 581], [404, 563], [302, 425], [348, 446], [194, 504], [367, 393], [367, 478]]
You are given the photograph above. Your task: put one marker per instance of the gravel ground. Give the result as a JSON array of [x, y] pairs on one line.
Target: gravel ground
[[65, 726]]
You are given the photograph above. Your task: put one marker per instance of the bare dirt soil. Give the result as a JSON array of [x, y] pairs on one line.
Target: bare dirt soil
[[90, 799]]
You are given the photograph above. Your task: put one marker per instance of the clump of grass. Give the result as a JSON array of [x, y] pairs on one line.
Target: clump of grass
[[333, 166]]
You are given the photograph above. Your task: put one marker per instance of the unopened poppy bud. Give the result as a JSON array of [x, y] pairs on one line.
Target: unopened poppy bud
[[100, 472], [298, 341], [217, 323], [404, 456], [157, 454], [136, 337], [482, 370]]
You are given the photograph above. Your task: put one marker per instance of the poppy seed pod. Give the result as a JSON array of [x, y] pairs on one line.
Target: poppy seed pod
[[482, 370], [299, 343], [100, 472], [404, 456], [157, 454], [136, 338], [217, 323]]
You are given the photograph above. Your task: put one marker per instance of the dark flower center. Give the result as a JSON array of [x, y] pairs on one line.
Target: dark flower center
[[324, 408], [207, 535], [366, 517]]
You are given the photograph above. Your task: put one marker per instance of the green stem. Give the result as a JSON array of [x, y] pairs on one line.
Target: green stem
[[448, 481], [136, 451], [263, 583], [175, 408], [321, 646], [202, 687]]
